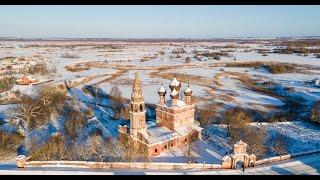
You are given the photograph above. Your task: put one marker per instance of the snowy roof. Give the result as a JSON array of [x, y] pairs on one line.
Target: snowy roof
[[188, 89], [150, 124], [162, 89], [174, 82], [184, 129], [180, 103], [158, 134]]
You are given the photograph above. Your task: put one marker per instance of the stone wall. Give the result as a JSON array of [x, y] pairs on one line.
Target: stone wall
[[285, 157], [23, 163]]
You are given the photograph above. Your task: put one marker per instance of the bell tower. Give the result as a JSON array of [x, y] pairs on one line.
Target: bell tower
[[137, 111]]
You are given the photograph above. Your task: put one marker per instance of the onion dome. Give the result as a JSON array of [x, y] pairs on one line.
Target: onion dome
[[240, 143], [174, 94], [162, 91], [188, 91], [175, 84]]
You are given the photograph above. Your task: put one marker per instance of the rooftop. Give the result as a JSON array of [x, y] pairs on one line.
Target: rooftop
[[183, 130], [188, 89], [180, 103], [158, 134]]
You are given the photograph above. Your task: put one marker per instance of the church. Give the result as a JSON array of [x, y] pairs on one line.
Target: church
[[175, 124]]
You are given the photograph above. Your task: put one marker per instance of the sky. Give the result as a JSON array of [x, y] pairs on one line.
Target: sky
[[159, 21]]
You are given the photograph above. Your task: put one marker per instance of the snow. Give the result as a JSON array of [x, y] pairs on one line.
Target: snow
[[162, 90], [184, 130], [159, 134], [205, 152], [4, 109], [188, 89], [174, 82], [180, 103], [302, 136]]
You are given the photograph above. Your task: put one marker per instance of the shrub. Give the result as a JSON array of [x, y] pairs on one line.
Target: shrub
[[179, 51], [9, 143], [272, 67], [77, 68], [39, 68], [6, 83], [52, 149], [188, 60], [161, 52]]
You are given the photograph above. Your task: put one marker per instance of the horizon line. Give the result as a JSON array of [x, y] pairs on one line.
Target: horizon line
[[155, 38]]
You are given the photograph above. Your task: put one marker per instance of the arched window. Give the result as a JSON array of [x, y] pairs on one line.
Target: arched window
[[156, 150], [141, 107]]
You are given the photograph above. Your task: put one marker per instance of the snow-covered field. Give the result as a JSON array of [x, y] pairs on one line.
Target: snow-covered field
[[115, 66]]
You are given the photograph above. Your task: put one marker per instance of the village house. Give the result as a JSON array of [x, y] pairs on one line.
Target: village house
[[175, 124], [26, 80]]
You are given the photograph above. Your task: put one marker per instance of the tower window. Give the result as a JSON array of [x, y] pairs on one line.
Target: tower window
[[156, 150], [141, 107]]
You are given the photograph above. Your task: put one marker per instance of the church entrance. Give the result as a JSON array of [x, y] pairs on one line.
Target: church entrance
[[239, 165]]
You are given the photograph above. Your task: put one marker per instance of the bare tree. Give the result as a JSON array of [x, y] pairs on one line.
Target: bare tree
[[239, 128], [206, 116], [128, 152], [315, 113], [190, 149], [124, 113], [74, 123], [52, 149], [116, 99], [255, 138], [36, 111], [237, 121]]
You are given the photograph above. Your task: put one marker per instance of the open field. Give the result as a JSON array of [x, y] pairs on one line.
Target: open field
[[222, 75]]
